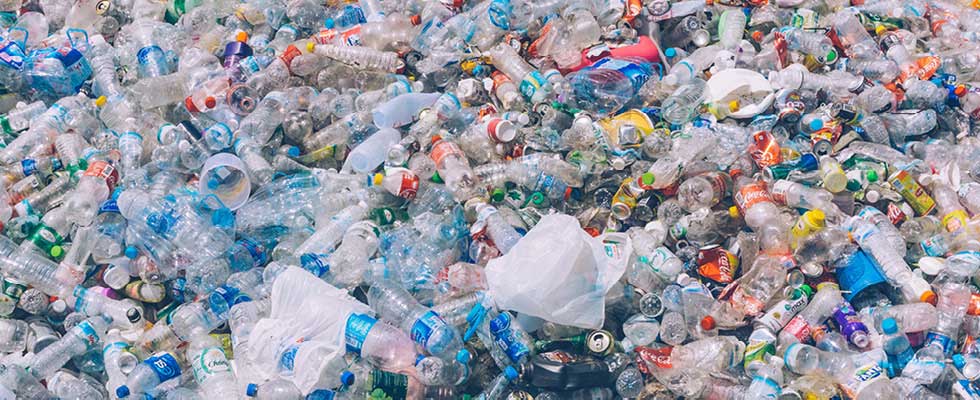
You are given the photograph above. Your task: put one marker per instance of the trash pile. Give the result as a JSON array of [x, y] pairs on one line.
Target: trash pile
[[489, 199]]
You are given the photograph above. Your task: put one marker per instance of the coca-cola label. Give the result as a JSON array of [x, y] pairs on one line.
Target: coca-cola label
[[442, 150], [799, 328], [656, 357], [750, 195]]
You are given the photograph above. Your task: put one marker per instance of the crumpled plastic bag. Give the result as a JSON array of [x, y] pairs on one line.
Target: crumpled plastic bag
[[303, 337], [557, 272]]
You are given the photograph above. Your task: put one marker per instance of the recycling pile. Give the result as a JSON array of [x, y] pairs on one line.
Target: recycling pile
[[489, 199]]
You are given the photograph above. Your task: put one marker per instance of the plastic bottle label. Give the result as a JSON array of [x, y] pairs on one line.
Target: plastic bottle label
[[862, 378], [425, 326], [314, 263], [210, 362], [499, 12], [531, 83], [757, 352], [781, 313], [750, 195], [88, 334], [943, 341], [442, 150], [255, 250], [358, 326], [964, 389], [105, 171], [799, 328], [164, 365], [12, 55], [506, 339], [392, 384]]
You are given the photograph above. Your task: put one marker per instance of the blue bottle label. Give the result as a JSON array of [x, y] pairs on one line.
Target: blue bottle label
[[29, 166], [12, 55], [352, 15], [531, 83], [164, 365], [358, 326], [77, 68], [425, 326], [88, 333], [255, 250], [943, 341], [499, 13], [287, 361], [506, 339], [637, 74], [316, 264]]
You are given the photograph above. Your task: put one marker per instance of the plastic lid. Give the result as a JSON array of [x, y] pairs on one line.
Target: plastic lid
[[880, 30], [133, 315], [816, 124], [871, 175], [733, 212], [853, 185], [99, 102], [928, 297], [958, 360], [310, 47], [292, 151], [708, 323], [210, 102], [806, 289], [497, 194], [189, 104], [817, 215], [831, 57], [241, 36], [329, 23], [122, 391], [251, 390], [959, 91], [889, 326], [510, 373], [647, 178], [376, 179], [347, 378], [670, 52], [57, 251], [757, 36], [463, 356], [131, 252]]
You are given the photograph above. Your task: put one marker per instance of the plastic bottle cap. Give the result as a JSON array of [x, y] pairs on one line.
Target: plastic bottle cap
[[376, 179], [463, 356], [880, 30], [733, 106], [816, 124], [806, 289], [853, 185], [99, 102], [670, 52], [497, 194], [293, 151], [733, 212], [347, 378], [133, 315], [122, 391], [928, 297], [708, 323], [251, 390], [241, 36], [56, 251], [871, 175], [210, 102], [959, 90], [831, 57], [329, 23], [309, 47], [757, 36], [648, 178], [131, 252], [889, 326], [958, 360], [817, 216], [510, 373]]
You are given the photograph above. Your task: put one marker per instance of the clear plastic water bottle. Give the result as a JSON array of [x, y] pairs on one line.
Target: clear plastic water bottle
[[211, 368], [396, 305], [152, 372], [81, 338]]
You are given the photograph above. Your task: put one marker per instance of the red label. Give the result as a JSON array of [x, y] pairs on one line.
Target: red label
[[799, 329], [409, 186], [288, 55], [751, 194], [895, 214], [765, 151], [655, 357], [104, 171], [442, 150]]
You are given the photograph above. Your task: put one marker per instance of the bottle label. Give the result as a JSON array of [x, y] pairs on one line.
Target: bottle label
[[358, 326], [288, 55], [442, 150], [756, 351], [862, 378], [499, 12], [799, 328], [12, 55], [847, 320], [660, 358], [935, 246], [943, 341], [780, 314], [255, 250], [409, 186], [964, 389], [316, 264], [392, 384], [425, 326], [901, 359], [210, 362], [88, 333], [750, 195], [506, 339], [912, 192], [531, 83], [287, 361], [164, 365], [105, 171], [955, 220]]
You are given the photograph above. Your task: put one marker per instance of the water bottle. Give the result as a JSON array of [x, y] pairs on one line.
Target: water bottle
[[276, 389], [896, 346], [330, 234], [396, 305], [211, 368], [79, 339], [119, 361], [731, 27], [95, 300], [152, 372], [680, 106]]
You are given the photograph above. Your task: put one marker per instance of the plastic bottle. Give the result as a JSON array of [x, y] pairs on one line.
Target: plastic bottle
[[152, 372], [428, 330], [80, 339]]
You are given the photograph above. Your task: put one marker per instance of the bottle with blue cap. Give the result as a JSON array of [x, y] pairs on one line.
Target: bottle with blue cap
[[83, 337], [153, 371], [896, 346], [276, 389]]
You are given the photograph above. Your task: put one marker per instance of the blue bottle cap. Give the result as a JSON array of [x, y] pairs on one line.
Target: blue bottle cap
[[808, 162], [251, 390], [510, 373], [816, 124], [293, 151], [958, 360], [889, 326], [670, 52], [131, 252], [463, 356], [329, 23], [122, 391], [223, 218], [347, 378]]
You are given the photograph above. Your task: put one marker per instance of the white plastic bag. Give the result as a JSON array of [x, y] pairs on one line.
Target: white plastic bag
[[303, 337], [557, 272]]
